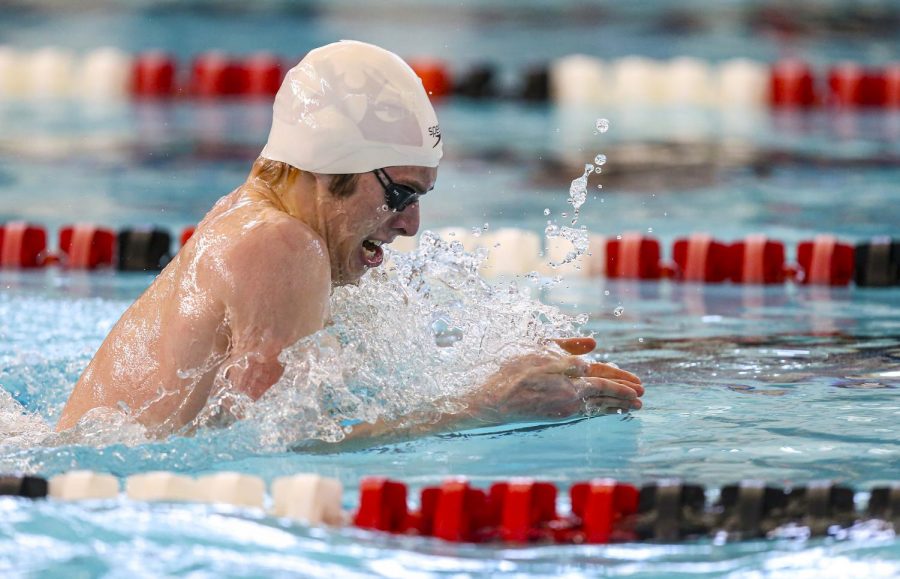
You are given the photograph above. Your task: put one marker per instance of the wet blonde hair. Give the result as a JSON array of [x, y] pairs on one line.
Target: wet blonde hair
[[277, 174]]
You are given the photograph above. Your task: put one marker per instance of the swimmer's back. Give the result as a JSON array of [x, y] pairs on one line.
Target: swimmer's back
[[160, 361]]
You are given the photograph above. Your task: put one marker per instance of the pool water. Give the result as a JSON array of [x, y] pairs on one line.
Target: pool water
[[787, 384]]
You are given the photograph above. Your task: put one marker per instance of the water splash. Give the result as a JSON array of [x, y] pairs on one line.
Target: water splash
[[406, 344], [578, 190], [577, 237]]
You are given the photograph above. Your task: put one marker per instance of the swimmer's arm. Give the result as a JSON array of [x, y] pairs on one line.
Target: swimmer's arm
[[278, 295], [545, 388]]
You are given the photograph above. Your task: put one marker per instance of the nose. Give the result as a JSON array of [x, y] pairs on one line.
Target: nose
[[406, 222]]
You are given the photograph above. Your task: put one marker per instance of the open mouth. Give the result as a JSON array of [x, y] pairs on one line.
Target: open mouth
[[373, 254]]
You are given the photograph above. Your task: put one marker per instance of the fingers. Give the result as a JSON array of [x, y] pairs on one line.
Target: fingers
[[611, 373], [602, 387], [577, 346]]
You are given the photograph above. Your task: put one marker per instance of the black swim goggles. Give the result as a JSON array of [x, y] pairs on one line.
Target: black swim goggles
[[396, 195]]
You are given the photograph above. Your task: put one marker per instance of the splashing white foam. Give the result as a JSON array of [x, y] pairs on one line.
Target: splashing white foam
[[387, 354]]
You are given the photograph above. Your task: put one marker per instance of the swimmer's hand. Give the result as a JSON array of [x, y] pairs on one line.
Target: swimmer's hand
[[544, 386], [550, 386]]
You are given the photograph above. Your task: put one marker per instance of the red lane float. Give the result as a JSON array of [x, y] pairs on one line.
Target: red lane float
[[455, 512], [186, 234], [382, 505], [849, 85], [634, 256], [524, 506], [757, 260], [792, 84], [22, 245], [700, 258], [602, 505], [892, 86], [153, 75], [825, 261], [263, 73], [434, 75], [87, 246], [215, 74]]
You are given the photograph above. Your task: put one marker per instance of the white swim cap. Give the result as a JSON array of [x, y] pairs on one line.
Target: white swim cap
[[352, 107]]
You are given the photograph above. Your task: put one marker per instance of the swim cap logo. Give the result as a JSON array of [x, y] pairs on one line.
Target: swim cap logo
[[435, 131]]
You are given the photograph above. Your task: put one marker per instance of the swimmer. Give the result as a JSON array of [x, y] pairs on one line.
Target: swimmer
[[354, 145]]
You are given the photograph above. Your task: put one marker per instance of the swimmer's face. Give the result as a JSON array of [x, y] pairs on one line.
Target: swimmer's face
[[360, 223]]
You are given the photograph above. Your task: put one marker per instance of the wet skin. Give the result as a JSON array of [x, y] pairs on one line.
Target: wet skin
[[256, 277]]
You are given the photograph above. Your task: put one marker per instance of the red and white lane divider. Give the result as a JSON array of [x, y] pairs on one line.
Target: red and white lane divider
[[513, 512], [108, 74], [756, 259]]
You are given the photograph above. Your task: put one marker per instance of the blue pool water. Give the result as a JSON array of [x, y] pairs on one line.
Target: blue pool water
[[787, 384]]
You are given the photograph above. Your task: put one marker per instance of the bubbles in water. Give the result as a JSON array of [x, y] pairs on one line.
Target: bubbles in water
[[649, 230], [547, 211], [606, 292], [602, 125], [476, 231], [618, 311], [600, 159]]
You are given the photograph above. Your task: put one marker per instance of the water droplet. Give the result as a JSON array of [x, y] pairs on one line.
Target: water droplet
[[619, 237], [485, 226], [641, 340], [602, 125], [564, 214], [618, 311], [606, 292], [547, 211], [600, 159], [578, 188], [649, 230]]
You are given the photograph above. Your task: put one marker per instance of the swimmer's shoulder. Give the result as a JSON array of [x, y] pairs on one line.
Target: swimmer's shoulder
[[281, 247]]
